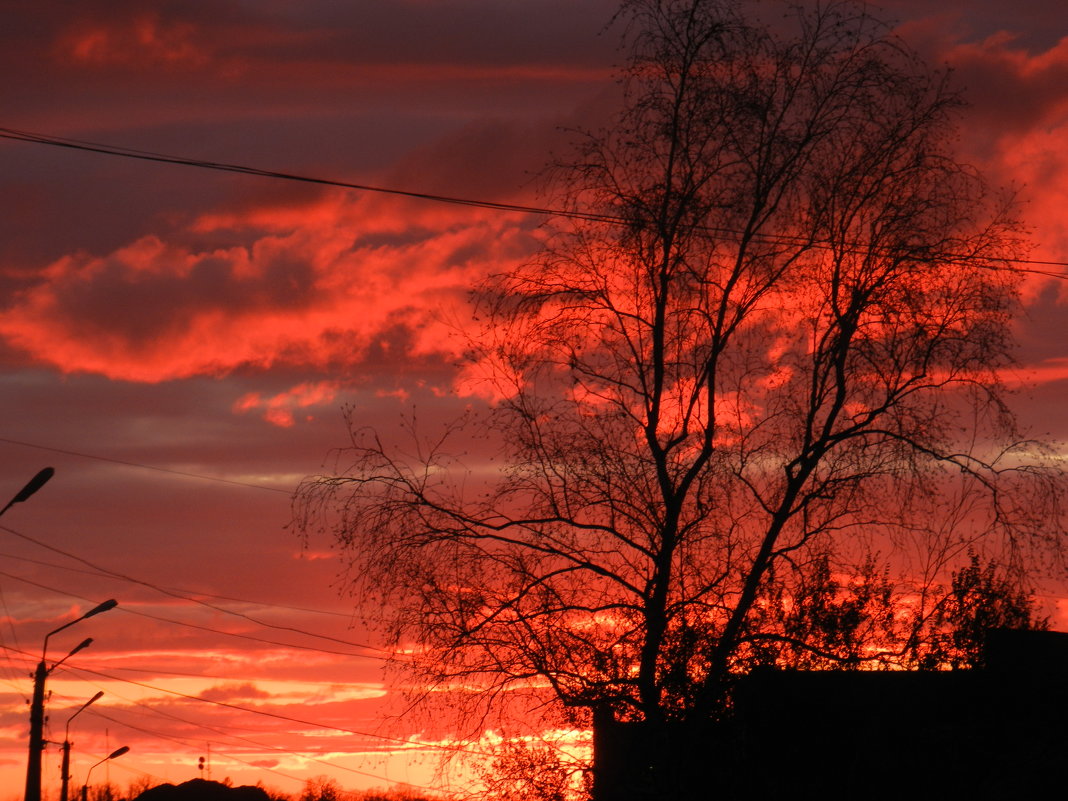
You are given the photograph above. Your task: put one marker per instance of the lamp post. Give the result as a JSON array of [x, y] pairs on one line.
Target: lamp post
[[118, 752], [65, 770], [37, 743]]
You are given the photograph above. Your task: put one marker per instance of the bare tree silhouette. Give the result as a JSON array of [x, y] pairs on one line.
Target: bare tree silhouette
[[767, 345]]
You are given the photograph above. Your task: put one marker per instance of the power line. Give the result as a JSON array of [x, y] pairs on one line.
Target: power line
[[225, 704], [286, 607], [214, 607], [168, 470], [180, 741], [125, 765], [209, 629], [10, 619], [95, 711], [156, 671], [145, 155], [265, 713], [222, 732], [263, 604]]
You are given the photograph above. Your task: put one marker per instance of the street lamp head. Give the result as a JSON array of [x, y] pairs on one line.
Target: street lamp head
[[116, 753], [93, 700], [34, 484], [109, 604], [31, 487], [80, 646], [96, 610]]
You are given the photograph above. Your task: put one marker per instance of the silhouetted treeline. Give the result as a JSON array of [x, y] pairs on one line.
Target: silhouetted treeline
[[317, 789]]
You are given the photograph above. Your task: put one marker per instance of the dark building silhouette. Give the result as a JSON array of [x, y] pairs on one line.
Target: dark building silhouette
[[996, 732]]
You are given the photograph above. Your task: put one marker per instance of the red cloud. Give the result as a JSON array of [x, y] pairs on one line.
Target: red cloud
[[311, 284], [144, 40], [279, 409], [1014, 74], [234, 691], [1016, 128]]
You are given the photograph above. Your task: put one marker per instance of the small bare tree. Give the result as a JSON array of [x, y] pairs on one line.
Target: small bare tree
[[765, 342]]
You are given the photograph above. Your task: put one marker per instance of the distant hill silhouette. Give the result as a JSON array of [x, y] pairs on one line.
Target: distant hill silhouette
[[202, 790]]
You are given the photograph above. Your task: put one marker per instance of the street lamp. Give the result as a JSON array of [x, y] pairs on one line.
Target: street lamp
[[31, 487], [66, 746], [118, 752], [37, 742]]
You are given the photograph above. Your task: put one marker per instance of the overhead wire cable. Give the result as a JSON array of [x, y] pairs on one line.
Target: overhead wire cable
[[156, 671], [223, 733], [265, 746], [264, 604], [209, 629], [187, 744], [178, 596], [214, 729], [286, 607], [418, 744], [144, 155], [124, 765], [9, 619], [183, 473], [14, 685]]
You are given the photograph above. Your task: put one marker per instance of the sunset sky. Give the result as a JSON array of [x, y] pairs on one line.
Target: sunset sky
[[179, 343]]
